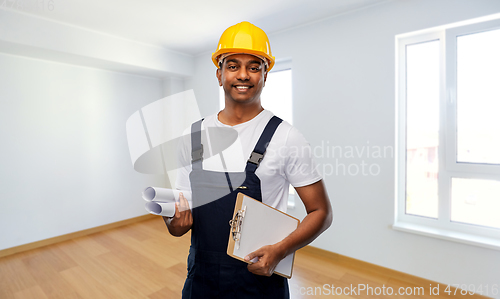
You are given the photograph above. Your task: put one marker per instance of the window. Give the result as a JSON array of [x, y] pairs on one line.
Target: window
[[448, 133]]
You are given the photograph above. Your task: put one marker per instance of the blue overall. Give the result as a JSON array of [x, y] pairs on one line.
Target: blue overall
[[211, 272]]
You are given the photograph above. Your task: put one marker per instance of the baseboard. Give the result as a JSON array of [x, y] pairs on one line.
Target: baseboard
[[41, 243], [354, 263]]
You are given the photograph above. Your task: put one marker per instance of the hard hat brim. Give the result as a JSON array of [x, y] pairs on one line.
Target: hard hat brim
[[270, 59]]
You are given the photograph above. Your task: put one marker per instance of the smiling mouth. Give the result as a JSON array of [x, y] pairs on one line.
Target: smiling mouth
[[242, 88]]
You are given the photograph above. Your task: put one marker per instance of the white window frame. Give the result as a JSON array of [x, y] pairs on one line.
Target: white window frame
[[449, 168]]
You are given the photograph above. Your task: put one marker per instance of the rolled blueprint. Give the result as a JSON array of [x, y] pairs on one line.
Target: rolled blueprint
[[161, 201], [164, 194], [166, 209]]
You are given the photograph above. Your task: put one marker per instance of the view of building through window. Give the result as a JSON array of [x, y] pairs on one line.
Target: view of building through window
[[422, 135]]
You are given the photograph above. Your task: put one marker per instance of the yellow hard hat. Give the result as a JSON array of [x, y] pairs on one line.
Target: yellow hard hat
[[246, 38]]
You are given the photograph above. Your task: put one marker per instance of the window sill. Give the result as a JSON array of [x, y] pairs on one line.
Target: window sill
[[449, 235]]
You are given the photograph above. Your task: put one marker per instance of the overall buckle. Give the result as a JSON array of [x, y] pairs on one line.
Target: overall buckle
[[255, 158], [197, 154]]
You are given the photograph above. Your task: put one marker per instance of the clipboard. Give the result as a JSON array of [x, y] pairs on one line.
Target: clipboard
[[256, 224]]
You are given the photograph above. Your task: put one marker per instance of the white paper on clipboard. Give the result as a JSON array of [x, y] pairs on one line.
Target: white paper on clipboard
[[261, 225]]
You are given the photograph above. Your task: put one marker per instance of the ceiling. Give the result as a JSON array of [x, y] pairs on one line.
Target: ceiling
[[189, 26]]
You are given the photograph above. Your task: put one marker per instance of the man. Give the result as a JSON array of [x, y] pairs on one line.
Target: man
[[243, 59]]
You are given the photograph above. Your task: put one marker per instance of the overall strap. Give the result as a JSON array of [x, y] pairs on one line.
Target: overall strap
[[260, 148], [196, 146]]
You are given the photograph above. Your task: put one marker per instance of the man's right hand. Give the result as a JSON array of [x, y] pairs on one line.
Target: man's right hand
[[183, 219]]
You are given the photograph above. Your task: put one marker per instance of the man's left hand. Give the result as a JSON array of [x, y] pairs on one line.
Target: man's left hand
[[268, 258]]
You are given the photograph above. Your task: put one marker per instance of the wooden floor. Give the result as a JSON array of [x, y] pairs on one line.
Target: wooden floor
[[142, 260]]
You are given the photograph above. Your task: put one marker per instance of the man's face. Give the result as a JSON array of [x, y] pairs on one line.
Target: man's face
[[242, 76]]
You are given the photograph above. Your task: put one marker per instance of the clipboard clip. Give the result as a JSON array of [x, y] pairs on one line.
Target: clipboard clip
[[236, 226]]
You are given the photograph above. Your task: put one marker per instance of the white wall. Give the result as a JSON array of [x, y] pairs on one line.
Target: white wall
[[205, 84], [64, 157], [64, 160], [343, 88]]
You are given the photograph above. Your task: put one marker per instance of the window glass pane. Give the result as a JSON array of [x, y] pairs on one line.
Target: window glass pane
[[478, 97], [277, 94], [422, 128], [475, 201], [221, 98]]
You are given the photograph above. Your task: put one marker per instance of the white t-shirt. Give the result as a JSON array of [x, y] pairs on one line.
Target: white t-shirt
[[288, 158]]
